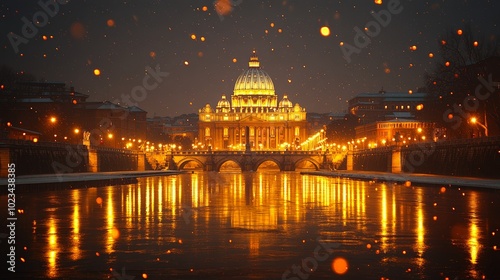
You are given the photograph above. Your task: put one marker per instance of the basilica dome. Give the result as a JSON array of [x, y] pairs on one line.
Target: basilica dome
[[285, 102], [223, 103], [254, 81]]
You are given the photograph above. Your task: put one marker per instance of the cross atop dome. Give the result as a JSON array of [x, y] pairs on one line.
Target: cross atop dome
[[254, 60]]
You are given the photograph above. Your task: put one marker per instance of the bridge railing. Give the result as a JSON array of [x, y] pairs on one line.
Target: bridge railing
[[114, 150], [28, 143], [456, 142], [186, 153]]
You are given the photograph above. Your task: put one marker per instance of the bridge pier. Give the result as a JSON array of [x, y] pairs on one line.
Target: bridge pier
[[247, 162], [210, 164], [326, 164], [396, 160], [93, 165], [4, 162], [141, 161], [171, 162], [287, 163], [350, 160]]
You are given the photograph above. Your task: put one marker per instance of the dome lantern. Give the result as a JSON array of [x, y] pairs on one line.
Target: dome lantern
[[254, 61]]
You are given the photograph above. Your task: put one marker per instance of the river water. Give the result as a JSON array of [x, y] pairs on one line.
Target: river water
[[257, 225]]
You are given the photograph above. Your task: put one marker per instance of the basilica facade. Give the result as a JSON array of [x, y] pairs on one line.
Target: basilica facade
[[252, 118]]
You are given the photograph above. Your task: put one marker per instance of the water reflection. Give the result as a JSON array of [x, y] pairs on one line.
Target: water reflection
[[75, 249], [193, 221], [474, 233], [420, 229], [52, 247], [110, 220]]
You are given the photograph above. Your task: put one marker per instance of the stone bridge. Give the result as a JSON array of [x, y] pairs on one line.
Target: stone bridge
[[251, 160]]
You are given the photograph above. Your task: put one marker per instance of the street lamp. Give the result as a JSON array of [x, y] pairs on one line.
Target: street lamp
[[474, 120], [53, 121]]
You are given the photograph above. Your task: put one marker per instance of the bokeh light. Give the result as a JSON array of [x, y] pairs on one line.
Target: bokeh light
[[78, 31], [340, 265], [223, 7], [325, 31], [115, 233]]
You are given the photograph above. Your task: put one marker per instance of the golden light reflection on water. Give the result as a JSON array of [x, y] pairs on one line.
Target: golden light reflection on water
[[160, 201], [53, 247], [344, 204], [383, 218], [147, 203], [172, 197], [75, 248], [420, 229], [138, 209], [252, 209], [474, 233], [260, 204], [394, 214], [110, 222], [129, 206]]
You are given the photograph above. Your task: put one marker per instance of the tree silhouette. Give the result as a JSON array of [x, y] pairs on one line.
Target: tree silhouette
[[466, 62]]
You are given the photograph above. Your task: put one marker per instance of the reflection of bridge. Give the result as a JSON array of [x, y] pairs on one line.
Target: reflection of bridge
[[250, 161]]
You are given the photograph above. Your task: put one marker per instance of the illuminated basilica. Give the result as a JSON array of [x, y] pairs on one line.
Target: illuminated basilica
[[254, 109]]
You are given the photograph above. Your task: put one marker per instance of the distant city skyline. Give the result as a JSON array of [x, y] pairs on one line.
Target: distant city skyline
[[194, 51]]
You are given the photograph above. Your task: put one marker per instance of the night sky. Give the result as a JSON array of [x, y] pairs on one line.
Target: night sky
[[204, 50]]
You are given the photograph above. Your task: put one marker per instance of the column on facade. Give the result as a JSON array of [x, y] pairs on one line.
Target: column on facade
[[268, 140], [238, 137], [256, 137]]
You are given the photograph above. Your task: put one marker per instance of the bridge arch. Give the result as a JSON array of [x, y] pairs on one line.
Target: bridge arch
[[260, 162], [221, 162], [183, 162], [315, 163]]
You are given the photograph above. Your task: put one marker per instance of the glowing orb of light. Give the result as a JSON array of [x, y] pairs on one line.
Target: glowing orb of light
[[325, 31], [340, 265]]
